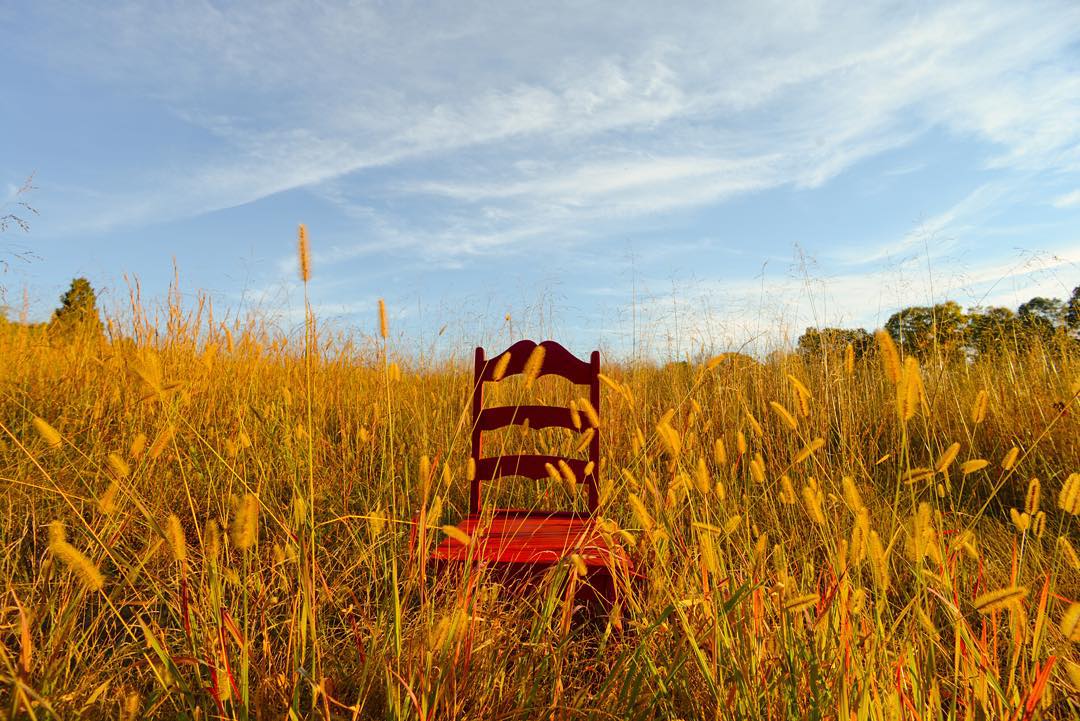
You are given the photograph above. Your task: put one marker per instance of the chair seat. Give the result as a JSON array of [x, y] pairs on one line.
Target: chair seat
[[535, 538]]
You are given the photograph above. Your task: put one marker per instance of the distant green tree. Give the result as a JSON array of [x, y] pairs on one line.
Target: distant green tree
[[1041, 317], [991, 330], [78, 309], [924, 330], [815, 341], [1072, 312]]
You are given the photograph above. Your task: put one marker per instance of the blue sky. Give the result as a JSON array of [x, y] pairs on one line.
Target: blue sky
[[611, 174]]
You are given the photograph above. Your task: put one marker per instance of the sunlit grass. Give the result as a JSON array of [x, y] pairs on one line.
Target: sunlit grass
[[828, 537]]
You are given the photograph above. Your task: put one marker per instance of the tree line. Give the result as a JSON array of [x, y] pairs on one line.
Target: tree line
[[946, 330], [77, 313]]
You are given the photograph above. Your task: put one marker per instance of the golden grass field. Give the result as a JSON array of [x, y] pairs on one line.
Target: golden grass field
[[206, 522]]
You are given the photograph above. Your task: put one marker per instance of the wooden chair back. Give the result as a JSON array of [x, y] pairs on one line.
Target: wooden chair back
[[557, 361]]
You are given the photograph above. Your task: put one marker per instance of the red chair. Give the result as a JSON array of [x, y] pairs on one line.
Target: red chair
[[524, 543]]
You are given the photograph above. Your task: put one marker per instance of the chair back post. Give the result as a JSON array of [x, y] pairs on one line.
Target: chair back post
[[477, 407], [594, 444]]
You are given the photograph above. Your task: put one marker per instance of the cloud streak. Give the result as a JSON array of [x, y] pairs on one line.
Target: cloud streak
[[450, 137]]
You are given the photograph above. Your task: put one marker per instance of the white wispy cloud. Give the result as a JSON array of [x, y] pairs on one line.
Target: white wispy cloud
[[622, 114], [1068, 200]]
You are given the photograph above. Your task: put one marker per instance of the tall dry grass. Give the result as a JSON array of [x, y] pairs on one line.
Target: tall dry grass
[[823, 537]]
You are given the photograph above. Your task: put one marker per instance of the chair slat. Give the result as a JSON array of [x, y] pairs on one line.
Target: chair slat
[[530, 466], [557, 361], [536, 416]]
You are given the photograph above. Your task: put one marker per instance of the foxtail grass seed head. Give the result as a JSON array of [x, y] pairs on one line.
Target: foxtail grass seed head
[[586, 407], [1022, 521], [849, 359], [533, 365], [890, 358], [48, 434], [1069, 498], [162, 441], [568, 476], [74, 559], [1070, 623], [916, 475], [457, 534], [138, 445], [784, 415], [1008, 597], [851, 494], [702, 477], [1068, 553], [719, 453], [761, 546], [859, 533], [640, 512], [470, 470], [304, 253], [245, 527], [1031, 498], [376, 523], [858, 601], [575, 415], [1038, 524], [731, 524], [131, 707], [978, 408], [716, 360], [1009, 461], [812, 499], [803, 404], [425, 470], [740, 443], [947, 457], [975, 464], [384, 325], [965, 541], [708, 549], [801, 603], [57, 532], [670, 438], [175, 533], [1072, 670], [808, 450], [787, 491], [757, 468], [107, 502], [909, 390], [755, 426], [803, 394], [118, 466], [212, 541], [500, 367], [585, 440], [879, 562], [920, 534]]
